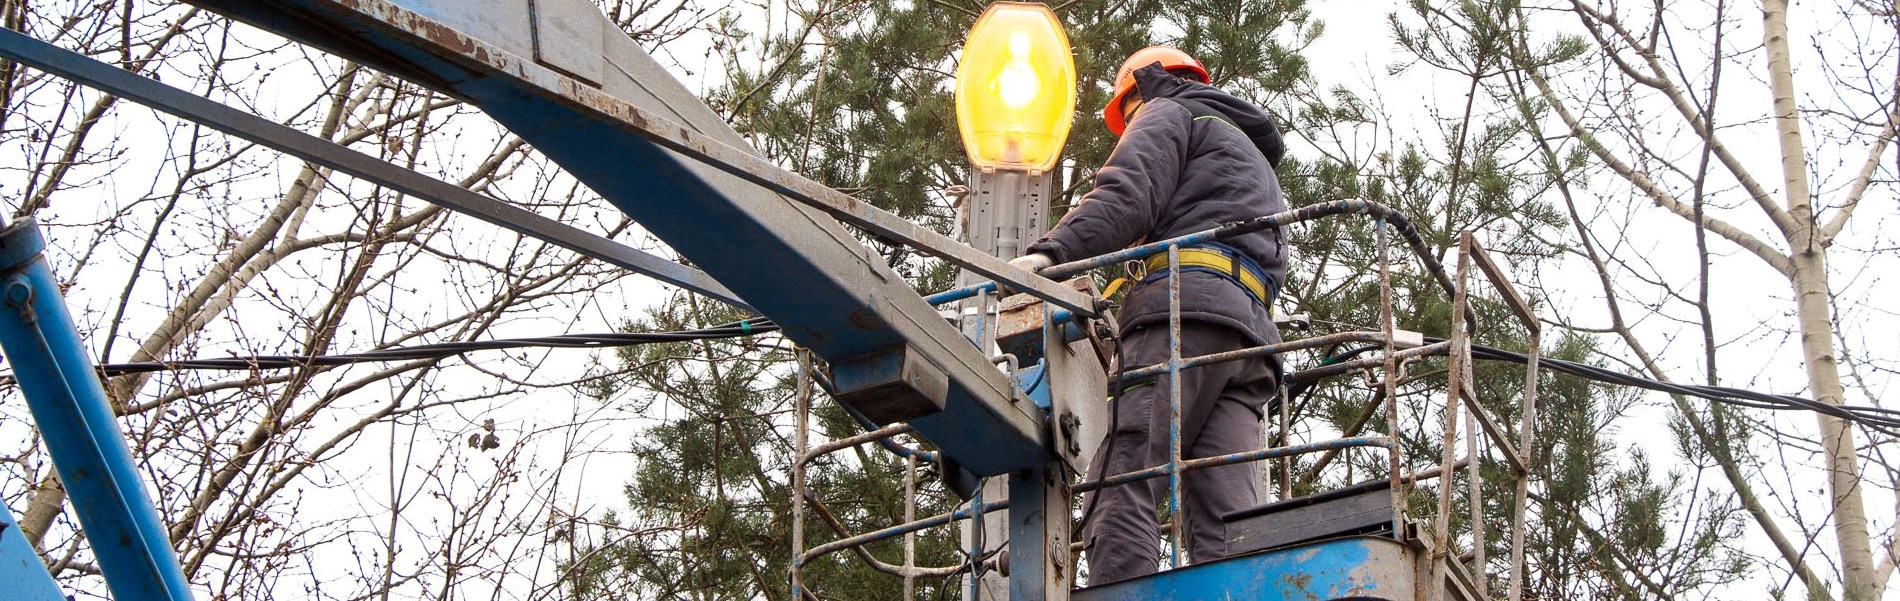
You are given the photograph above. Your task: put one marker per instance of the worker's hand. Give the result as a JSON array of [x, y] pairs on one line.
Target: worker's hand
[[1033, 262]]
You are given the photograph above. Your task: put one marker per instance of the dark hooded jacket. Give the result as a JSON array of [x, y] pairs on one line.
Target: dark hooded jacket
[[1193, 157]]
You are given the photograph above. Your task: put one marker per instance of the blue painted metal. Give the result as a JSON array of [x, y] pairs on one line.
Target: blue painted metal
[[978, 512], [1174, 410], [1034, 382], [956, 294], [1039, 568], [69, 407], [793, 263], [891, 385], [1361, 568], [22, 574]]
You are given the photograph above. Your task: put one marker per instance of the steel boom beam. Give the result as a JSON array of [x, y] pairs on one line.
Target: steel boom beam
[[568, 81]]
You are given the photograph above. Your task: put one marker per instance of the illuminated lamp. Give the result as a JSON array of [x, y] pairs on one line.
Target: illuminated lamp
[[1015, 88]]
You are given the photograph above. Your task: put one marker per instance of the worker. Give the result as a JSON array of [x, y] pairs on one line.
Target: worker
[[1190, 157]]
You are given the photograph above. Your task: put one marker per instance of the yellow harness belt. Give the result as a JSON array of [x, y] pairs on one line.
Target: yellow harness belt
[[1215, 260]]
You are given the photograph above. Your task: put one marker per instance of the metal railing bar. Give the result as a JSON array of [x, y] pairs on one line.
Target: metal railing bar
[[904, 571], [1392, 366], [1175, 501], [1526, 425], [940, 519], [910, 538], [846, 443], [1257, 351], [801, 440], [1286, 431], [956, 294], [1441, 552], [1241, 457], [1327, 371], [1493, 431], [1469, 244], [1475, 479], [1307, 213], [1471, 250]]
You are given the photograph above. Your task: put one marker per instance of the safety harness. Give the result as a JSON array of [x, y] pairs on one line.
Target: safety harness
[[1224, 261]]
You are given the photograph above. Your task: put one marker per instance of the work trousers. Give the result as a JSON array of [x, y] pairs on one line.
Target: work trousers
[[1220, 414]]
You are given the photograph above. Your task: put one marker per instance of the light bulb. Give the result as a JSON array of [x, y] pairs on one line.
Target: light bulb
[[1017, 83]]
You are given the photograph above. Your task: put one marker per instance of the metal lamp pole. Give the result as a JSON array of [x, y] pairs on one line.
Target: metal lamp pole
[[1015, 97]]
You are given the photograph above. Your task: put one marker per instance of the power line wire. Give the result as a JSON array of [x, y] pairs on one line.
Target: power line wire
[[1885, 421], [757, 325], [1879, 419]]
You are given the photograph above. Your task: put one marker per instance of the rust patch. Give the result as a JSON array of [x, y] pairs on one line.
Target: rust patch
[[447, 37], [1299, 583]]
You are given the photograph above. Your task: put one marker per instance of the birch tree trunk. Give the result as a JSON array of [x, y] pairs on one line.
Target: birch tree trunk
[[1814, 311]]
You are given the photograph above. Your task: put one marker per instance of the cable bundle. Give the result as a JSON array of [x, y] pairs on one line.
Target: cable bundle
[[1885, 421], [757, 325]]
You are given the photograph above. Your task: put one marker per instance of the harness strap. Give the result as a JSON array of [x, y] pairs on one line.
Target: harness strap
[[1217, 260]]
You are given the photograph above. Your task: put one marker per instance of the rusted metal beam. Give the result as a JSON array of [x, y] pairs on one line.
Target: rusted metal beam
[[1468, 244]]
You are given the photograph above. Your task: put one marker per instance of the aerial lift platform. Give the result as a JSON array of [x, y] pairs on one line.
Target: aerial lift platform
[[561, 76]]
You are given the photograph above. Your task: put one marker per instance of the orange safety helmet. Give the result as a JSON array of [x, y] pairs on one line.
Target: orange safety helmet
[[1171, 59]]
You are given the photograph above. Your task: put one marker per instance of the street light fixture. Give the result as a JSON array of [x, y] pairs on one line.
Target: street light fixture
[[1015, 88]]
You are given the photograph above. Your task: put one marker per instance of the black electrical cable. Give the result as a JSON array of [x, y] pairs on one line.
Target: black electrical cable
[[749, 327], [1303, 391], [1885, 421]]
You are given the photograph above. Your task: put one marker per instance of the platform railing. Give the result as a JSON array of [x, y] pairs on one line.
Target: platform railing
[[1399, 349], [1462, 394]]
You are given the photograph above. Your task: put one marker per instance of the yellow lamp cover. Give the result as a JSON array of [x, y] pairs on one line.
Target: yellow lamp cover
[[1015, 88]]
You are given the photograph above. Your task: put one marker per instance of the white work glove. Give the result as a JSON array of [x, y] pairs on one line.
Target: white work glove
[[1033, 262]]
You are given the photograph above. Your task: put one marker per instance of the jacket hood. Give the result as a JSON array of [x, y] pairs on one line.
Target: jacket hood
[[1155, 82]]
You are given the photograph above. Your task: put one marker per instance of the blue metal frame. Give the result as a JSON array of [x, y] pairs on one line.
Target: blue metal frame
[[21, 567], [78, 426], [1367, 568], [1039, 533], [756, 242]]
